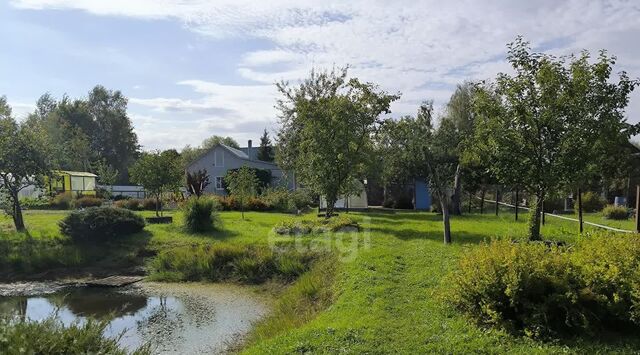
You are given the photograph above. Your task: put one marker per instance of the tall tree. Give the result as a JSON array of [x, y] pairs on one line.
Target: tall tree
[[326, 128], [539, 125], [242, 184], [459, 121], [24, 160], [159, 173], [114, 139], [413, 148], [265, 152], [210, 142]]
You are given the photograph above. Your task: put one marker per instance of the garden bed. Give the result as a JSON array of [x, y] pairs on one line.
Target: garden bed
[[159, 220]]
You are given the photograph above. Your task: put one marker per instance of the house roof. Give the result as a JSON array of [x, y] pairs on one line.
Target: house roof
[[78, 173], [237, 152]]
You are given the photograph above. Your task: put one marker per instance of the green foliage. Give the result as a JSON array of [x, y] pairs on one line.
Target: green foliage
[[22, 254], [327, 124], [100, 224], [265, 151], [549, 124], [223, 262], [242, 184], [197, 182], [62, 201], [615, 212], [200, 215], [158, 172], [24, 159], [545, 291], [263, 177], [53, 337], [283, 200], [35, 203], [295, 226], [87, 201], [591, 202]]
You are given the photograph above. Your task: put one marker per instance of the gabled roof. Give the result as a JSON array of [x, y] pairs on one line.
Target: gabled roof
[[77, 173], [237, 152]]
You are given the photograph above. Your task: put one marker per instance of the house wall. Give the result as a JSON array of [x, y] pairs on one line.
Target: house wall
[[231, 161]]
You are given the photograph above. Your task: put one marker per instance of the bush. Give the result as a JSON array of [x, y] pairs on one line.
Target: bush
[[307, 226], [35, 203], [121, 197], [615, 212], [403, 202], [545, 291], [200, 214], [283, 200], [591, 202], [132, 204], [97, 224], [87, 201], [61, 201], [553, 204], [53, 337], [609, 268], [149, 204], [220, 262]]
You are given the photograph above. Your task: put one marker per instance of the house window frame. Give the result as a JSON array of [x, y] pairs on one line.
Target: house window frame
[[219, 179], [215, 159]]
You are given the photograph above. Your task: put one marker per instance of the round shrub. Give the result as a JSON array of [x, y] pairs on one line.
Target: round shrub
[[545, 291], [200, 214], [149, 204], [615, 212], [97, 224], [591, 202], [61, 201], [87, 201]]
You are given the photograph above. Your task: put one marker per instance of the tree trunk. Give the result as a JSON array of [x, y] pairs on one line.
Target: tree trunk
[[482, 192], [445, 220], [328, 212], [157, 205], [18, 221], [534, 220], [580, 221], [456, 199]]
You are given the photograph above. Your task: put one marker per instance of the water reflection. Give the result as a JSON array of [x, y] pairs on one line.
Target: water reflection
[[172, 318]]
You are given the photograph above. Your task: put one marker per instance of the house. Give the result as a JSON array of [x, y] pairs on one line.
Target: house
[[73, 182], [222, 158], [414, 194]]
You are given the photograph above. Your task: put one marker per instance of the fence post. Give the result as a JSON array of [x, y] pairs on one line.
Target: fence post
[[470, 200], [516, 203], [543, 214], [497, 199], [482, 192], [637, 208], [580, 210]]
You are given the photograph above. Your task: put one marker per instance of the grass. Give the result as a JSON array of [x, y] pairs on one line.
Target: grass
[[381, 294]]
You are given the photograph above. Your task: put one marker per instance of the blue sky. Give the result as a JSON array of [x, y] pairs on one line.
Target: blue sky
[[195, 68]]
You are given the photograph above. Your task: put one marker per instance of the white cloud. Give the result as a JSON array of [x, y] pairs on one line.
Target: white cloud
[[420, 48]]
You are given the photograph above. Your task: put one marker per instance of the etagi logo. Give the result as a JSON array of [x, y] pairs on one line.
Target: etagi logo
[[347, 242]]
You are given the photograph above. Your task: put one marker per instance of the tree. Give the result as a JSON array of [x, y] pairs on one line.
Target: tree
[[539, 126], [114, 139], [326, 129], [197, 182], [459, 120], [413, 148], [242, 184], [24, 160], [265, 152], [215, 140], [158, 172]]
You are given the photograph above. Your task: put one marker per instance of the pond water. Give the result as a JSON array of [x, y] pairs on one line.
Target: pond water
[[173, 318]]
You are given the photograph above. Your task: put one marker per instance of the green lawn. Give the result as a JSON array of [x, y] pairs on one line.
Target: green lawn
[[387, 290]]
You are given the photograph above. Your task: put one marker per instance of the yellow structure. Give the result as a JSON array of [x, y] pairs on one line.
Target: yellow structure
[[72, 182]]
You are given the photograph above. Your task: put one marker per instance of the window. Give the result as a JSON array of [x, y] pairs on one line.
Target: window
[[218, 158], [219, 183]]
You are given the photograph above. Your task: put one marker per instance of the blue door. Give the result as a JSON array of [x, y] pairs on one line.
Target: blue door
[[423, 197]]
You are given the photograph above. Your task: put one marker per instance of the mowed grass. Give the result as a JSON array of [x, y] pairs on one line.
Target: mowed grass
[[387, 293]]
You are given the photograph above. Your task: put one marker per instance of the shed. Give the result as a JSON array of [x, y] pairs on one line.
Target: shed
[[351, 202], [72, 182]]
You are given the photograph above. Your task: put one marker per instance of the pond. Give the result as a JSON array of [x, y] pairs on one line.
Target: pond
[[173, 318]]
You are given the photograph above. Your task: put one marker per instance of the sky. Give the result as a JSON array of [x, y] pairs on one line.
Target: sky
[[196, 68]]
